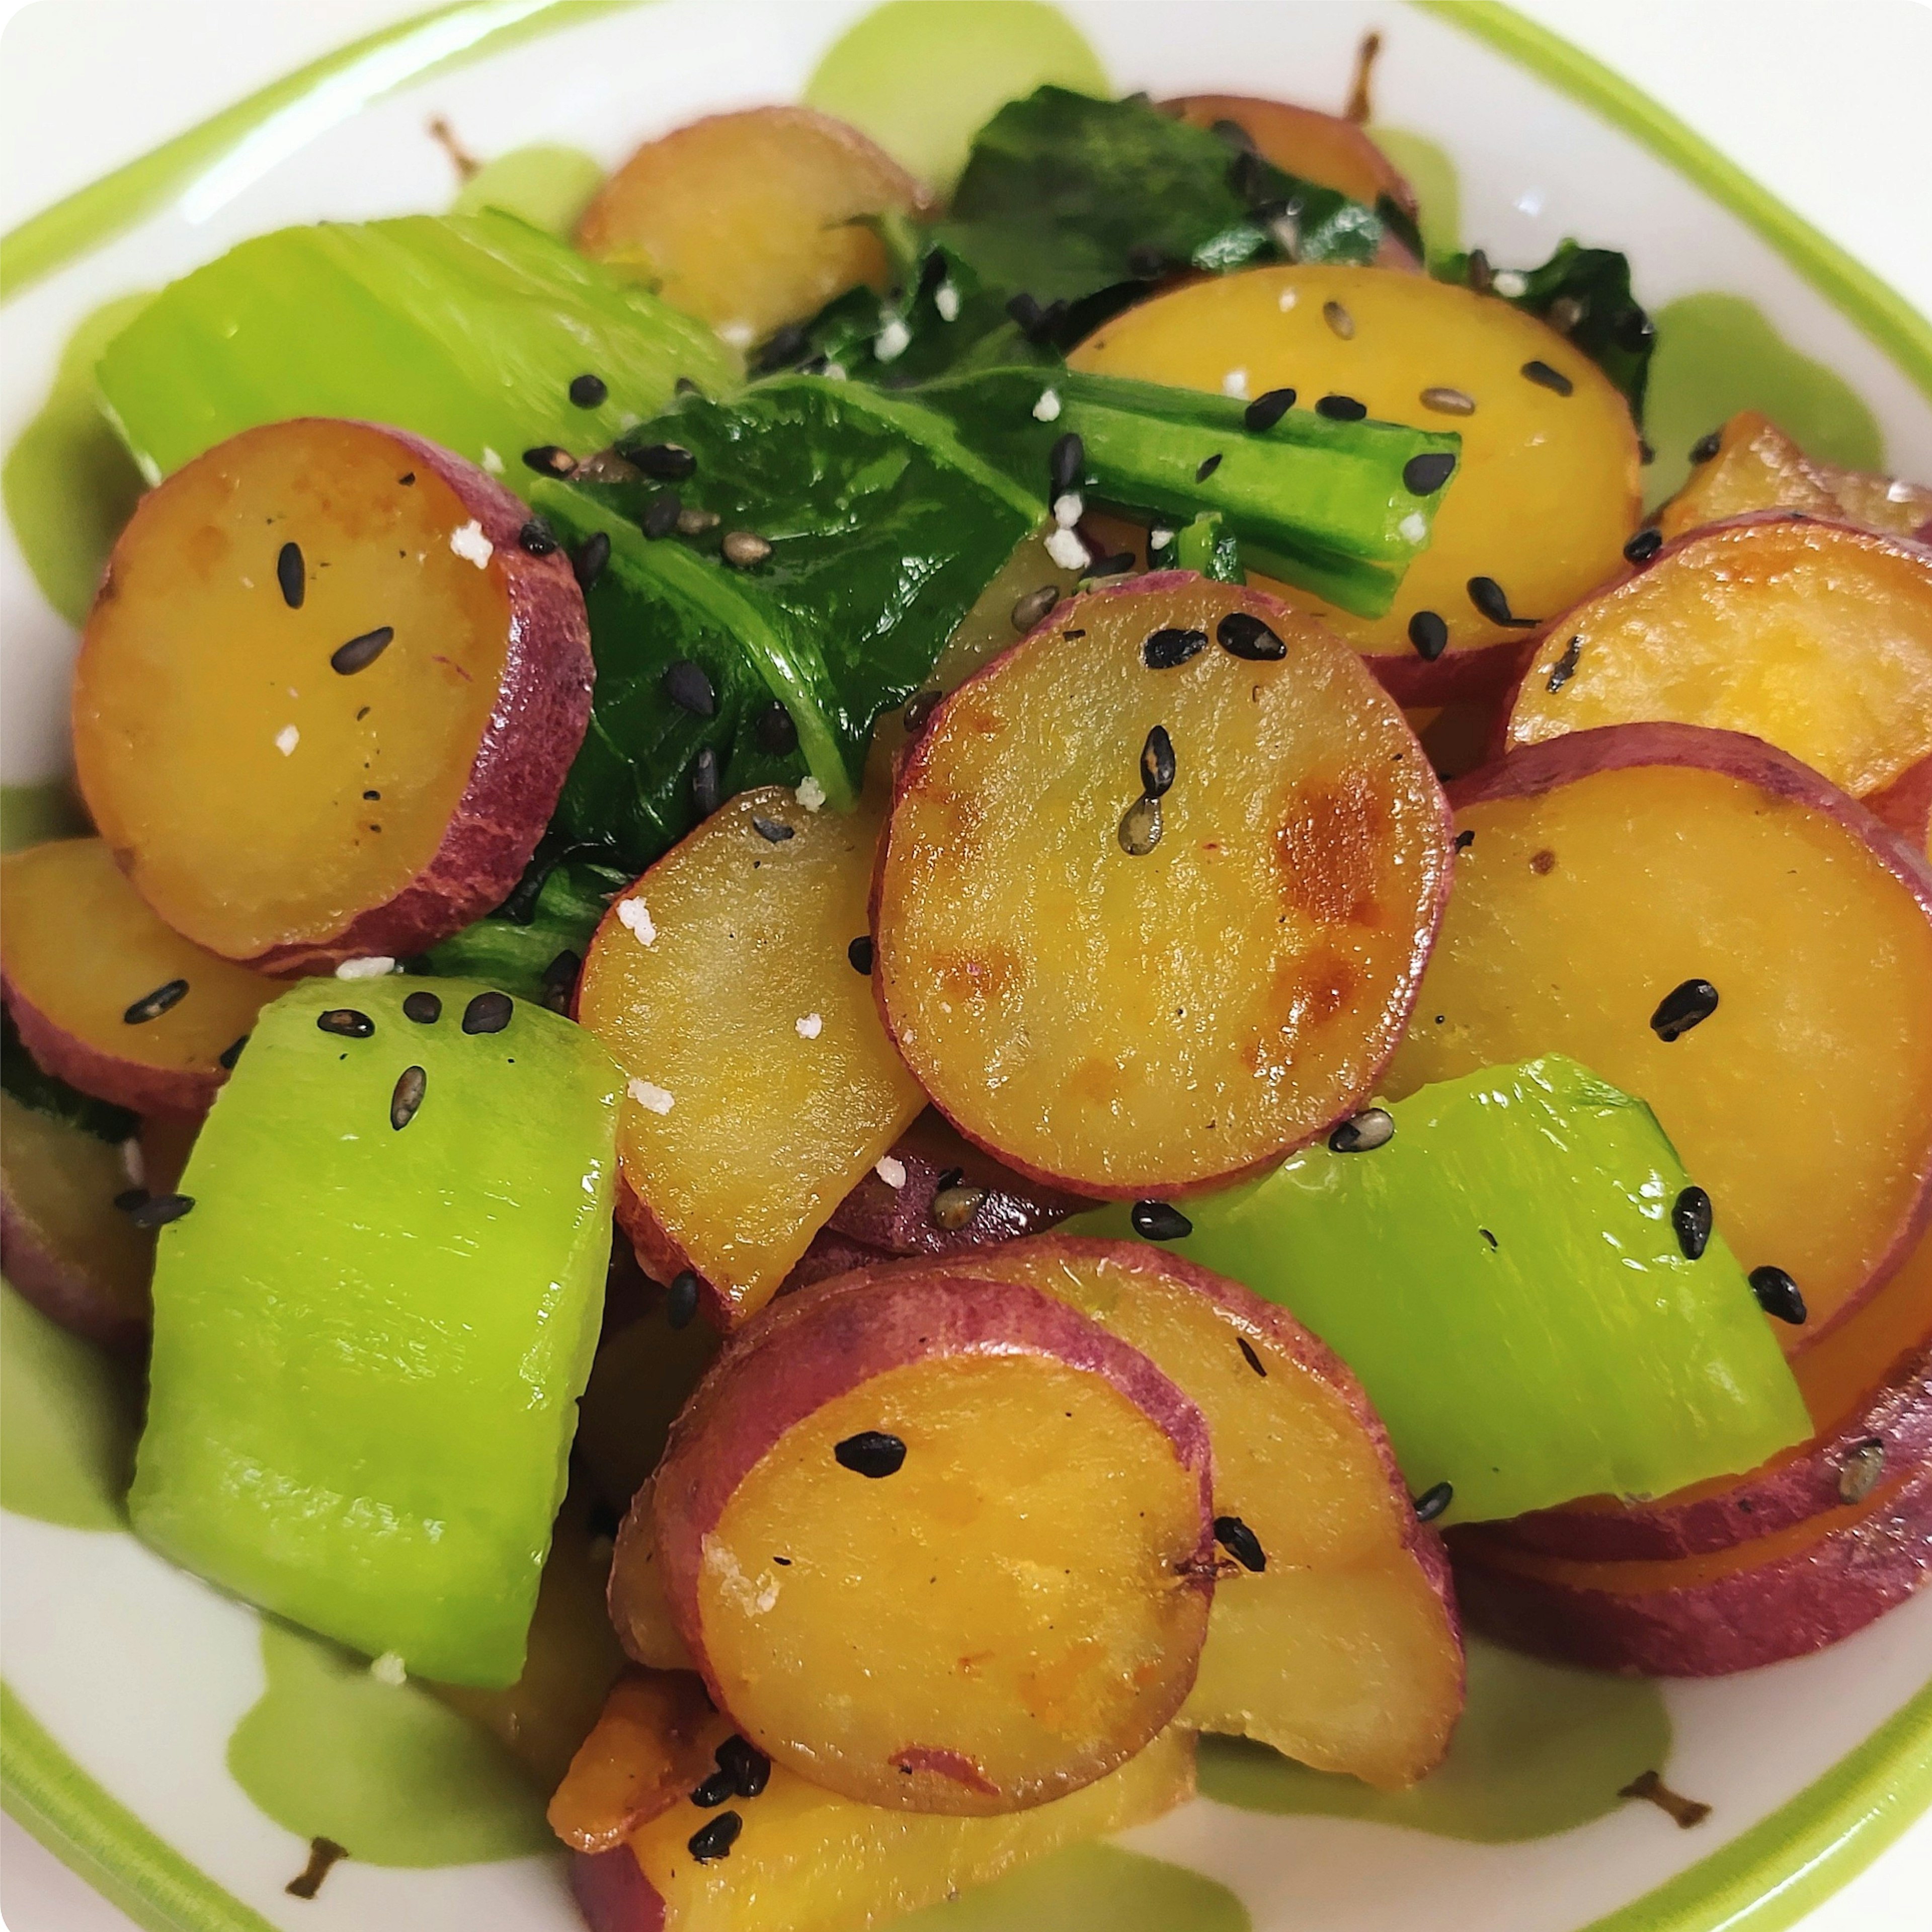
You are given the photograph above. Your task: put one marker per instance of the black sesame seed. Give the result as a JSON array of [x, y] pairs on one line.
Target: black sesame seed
[[1859, 1472], [1422, 475], [1157, 763], [547, 459], [954, 1206], [667, 462], [359, 653], [158, 1212], [771, 830], [1140, 827], [410, 1085], [1547, 378], [1493, 602], [1240, 1543], [781, 350], [692, 522], [1433, 1501], [151, 1005], [1691, 1218], [345, 1023], [1429, 635], [1685, 1006], [1035, 605], [1339, 319], [745, 549], [1160, 1221], [425, 1009], [1489, 1237], [1643, 546], [1248, 1355], [129, 1198], [588, 559], [1235, 136], [1646, 451], [1633, 329], [1242, 634], [707, 789], [775, 730], [1464, 840], [587, 392], [715, 1788], [1207, 467], [559, 980], [1167, 650], [662, 515], [1268, 409], [1341, 409], [488, 1012], [681, 1299], [1565, 668], [1362, 1133], [1778, 1294], [231, 1053], [919, 708], [750, 1770], [537, 537], [1447, 402], [1482, 277], [688, 687], [292, 574], [871, 1453], [1706, 447], [1065, 462], [860, 954], [715, 1840], [1024, 310], [949, 1177]]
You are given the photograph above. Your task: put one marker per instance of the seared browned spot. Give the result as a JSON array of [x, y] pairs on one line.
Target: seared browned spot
[[206, 548], [1324, 983], [1542, 862], [990, 974], [1333, 837], [953, 1765], [1100, 1081], [964, 714]]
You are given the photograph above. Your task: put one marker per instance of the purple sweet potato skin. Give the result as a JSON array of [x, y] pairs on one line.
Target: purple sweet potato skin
[[612, 1893]]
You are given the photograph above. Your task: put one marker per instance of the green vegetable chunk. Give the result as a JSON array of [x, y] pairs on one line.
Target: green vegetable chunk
[[1504, 1275], [371, 1331], [467, 329]]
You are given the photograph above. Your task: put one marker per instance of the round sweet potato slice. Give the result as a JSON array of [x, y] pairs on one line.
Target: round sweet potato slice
[[108, 998], [1120, 1021], [1705, 923], [325, 701], [1815, 636], [939, 1544]]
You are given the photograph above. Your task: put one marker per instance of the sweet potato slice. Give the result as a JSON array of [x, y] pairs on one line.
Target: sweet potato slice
[[652, 1742], [770, 1852], [1814, 637], [1547, 490], [106, 998], [1777, 1596], [325, 701], [1756, 467], [1343, 1649], [1905, 805], [1120, 1021], [641, 1611], [943, 1544], [1612, 883], [751, 220], [725, 975]]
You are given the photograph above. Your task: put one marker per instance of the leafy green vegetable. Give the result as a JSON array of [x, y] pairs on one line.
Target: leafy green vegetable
[[22, 1077], [467, 330], [1583, 293], [1314, 502], [1204, 546], [884, 528], [532, 946]]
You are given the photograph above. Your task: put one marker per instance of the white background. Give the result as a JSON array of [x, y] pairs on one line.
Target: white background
[[1824, 101]]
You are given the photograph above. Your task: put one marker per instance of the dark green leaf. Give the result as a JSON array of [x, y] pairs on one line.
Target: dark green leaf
[[22, 1077]]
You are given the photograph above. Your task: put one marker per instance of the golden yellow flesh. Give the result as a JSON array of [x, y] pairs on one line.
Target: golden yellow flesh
[[1803, 1106], [81, 946], [199, 687], [1011, 1596], [1818, 641], [745, 1010], [809, 1860], [1546, 491], [1127, 1023]]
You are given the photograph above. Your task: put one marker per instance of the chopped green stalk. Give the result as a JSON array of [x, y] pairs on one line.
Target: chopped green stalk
[[533, 943], [1203, 545], [467, 330], [1504, 1276], [371, 1331], [1314, 502]]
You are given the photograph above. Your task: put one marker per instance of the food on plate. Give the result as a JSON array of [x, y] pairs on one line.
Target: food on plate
[[751, 220], [1524, 1220], [645, 1370], [1815, 636], [65, 1242], [1332, 1636], [640, 1611], [725, 973], [1905, 804], [1013, 1504], [1105, 782], [1755, 466], [1708, 924], [754, 1847], [646, 1750], [107, 997], [352, 1181], [1546, 491], [326, 698]]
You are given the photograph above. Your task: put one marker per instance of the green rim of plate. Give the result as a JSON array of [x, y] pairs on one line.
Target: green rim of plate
[[1764, 1879]]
